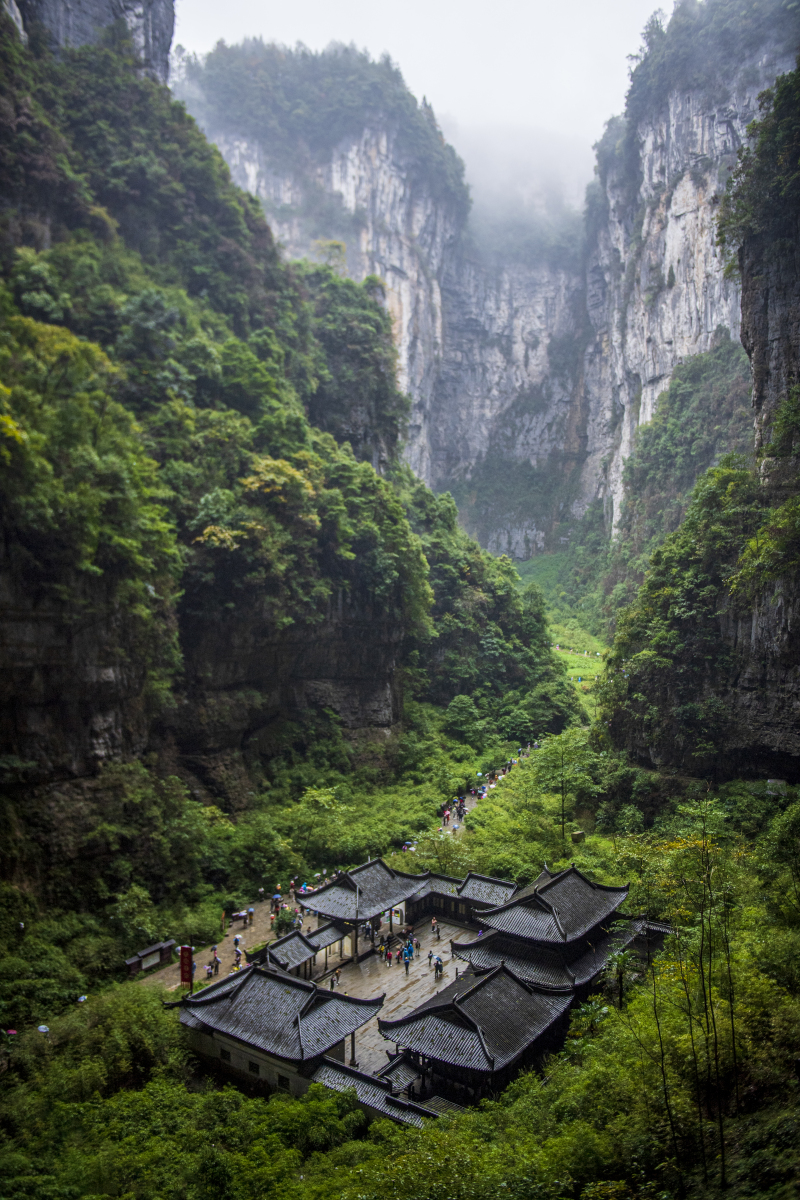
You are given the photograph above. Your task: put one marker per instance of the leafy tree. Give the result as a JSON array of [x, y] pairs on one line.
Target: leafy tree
[[566, 765], [762, 193]]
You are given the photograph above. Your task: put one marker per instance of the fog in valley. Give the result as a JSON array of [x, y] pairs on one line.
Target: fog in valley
[[521, 90]]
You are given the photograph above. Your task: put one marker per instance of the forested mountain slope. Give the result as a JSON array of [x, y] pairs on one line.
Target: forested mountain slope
[[710, 650], [200, 587]]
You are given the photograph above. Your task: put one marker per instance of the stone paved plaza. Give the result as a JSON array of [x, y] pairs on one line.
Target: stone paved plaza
[[403, 992]]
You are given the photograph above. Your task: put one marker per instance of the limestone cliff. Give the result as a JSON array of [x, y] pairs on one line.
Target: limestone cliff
[[391, 228], [76, 22], [528, 378], [655, 286]]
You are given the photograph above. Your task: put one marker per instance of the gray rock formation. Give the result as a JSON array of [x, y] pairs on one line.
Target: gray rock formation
[[535, 372], [10, 7], [78, 22], [391, 229], [655, 283]]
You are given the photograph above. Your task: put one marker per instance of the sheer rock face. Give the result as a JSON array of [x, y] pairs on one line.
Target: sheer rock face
[[764, 698], [76, 22], [760, 693], [242, 682], [72, 692], [392, 228], [498, 391], [655, 285], [475, 337], [70, 700]]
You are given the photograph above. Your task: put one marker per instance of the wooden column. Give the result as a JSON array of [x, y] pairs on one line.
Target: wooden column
[[352, 1049]]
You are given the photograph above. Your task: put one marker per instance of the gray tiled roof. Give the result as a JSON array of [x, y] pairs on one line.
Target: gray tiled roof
[[481, 1022], [373, 1092], [442, 1106], [441, 885], [278, 1013], [564, 907], [373, 887], [291, 950], [547, 967], [380, 887], [487, 889], [326, 935], [543, 967], [400, 1072]]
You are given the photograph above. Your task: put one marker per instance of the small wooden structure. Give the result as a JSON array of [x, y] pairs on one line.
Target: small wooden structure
[[158, 955]]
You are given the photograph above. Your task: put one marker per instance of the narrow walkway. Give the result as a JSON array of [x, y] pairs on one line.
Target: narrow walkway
[[252, 935]]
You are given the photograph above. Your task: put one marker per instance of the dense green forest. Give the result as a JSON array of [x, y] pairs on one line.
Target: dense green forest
[[190, 433]]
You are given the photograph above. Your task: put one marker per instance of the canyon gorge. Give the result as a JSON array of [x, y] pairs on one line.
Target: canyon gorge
[[528, 374]]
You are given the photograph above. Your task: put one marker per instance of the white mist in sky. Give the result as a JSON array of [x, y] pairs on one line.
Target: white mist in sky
[[522, 87]]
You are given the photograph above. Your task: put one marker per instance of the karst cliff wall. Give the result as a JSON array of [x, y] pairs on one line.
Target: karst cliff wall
[[392, 227], [78, 22], [540, 365], [655, 283], [763, 699]]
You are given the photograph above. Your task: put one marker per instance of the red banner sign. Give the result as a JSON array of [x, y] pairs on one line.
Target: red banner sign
[[186, 966]]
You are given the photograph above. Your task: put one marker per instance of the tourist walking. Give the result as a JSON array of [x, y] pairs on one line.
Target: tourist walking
[[430, 958], [338, 975], [388, 958]]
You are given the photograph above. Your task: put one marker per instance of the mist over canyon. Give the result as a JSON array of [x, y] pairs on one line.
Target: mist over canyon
[[532, 342]]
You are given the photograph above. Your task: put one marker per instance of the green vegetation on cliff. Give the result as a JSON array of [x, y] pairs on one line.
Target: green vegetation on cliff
[[762, 195], [675, 661], [176, 471], [695, 48], [184, 424], [702, 416], [304, 103]]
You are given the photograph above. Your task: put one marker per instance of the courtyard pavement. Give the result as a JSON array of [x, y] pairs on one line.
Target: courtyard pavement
[[371, 977]]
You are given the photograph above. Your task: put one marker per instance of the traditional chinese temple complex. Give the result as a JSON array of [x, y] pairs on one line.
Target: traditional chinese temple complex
[[530, 953], [557, 933]]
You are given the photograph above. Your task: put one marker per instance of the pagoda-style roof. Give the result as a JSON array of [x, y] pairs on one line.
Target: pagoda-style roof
[[325, 935], [362, 893], [553, 968], [432, 883], [556, 908], [277, 1013], [482, 1022], [486, 889], [291, 950], [374, 887]]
